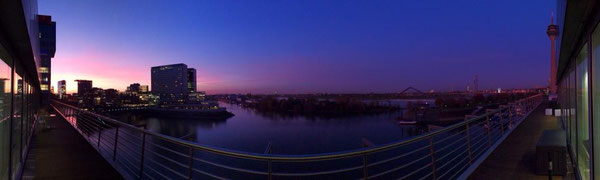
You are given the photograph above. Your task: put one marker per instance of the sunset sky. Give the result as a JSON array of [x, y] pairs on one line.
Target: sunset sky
[[304, 46]]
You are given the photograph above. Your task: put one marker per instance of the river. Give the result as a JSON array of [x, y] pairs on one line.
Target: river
[[252, 132]]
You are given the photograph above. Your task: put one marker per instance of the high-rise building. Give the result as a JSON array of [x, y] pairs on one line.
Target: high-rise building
[[62, 89], [191, 80], [169, 82], [144, 89], [84, 87], [133, 88], [552, 32], [47, 39]]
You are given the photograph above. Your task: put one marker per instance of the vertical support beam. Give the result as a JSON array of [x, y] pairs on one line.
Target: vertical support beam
[[191, 163], [12, 111], [116, 140], [501, 121], [21, 124], [269, 162], [99, 135], [469, 144], [488, 129], [142, 156], [270, 169], [365, 170], [510, 115], [591, 101], [432, 154], [365, 143]]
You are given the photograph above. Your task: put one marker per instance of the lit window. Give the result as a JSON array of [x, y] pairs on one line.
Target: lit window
[[44, 87], [43, 70]]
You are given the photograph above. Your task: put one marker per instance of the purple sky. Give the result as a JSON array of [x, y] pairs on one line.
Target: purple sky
[[305, 46]]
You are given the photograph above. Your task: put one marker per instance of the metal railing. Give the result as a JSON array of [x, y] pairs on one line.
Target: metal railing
[[443, 154]]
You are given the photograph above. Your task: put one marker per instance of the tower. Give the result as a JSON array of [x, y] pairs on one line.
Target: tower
[[552, 32]]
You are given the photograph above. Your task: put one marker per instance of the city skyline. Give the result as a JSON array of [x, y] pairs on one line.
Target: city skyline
[[317, 47]]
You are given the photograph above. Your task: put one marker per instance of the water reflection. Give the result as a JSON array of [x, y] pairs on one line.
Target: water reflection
[[251, 131]]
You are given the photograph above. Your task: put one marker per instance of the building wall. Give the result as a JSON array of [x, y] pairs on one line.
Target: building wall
[[191, 80], [20, 97], [83, 87], [19, 82], [47, 38], [62, 88], [170, 83], [579, 85]]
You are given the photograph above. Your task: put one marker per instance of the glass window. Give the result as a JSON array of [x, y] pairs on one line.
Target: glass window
[[583, 140], [5, 98], [596, 98], [17, 122], [572, 112]]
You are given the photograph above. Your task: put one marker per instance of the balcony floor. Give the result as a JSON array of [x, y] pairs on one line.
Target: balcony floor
[[514, 158], [58, 151]]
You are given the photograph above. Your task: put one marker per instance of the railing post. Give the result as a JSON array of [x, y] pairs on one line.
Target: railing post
[[501, 120], [99, 135], [116, 140], [365, 172], [269, 162], [510, 115], [142, 156], [489, 130], [469, 144], [191, 163], [432, 153], [270, 169]]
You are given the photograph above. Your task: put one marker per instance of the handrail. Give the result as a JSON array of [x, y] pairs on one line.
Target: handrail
[[488, 124], [288, 158]]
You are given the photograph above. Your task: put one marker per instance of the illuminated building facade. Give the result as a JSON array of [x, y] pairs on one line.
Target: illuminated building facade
[[169, 82], [47, 38], [62, 89], [577, 31]]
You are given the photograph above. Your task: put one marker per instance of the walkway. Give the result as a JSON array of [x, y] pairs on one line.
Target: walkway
[[58, 151], [515, 157]]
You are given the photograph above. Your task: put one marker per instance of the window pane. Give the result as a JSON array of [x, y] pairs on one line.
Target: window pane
[[573, 113], [583, 142], [5, 98], [17, 126], [596, 98]]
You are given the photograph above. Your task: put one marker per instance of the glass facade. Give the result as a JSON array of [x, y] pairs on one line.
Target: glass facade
[[583, 140], [5, 121], [596, 98], [579, 99], [19, 83], [18, 110]]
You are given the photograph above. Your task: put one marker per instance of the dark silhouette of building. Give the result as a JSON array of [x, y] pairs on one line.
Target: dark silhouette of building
[[84, 87], [133, 88], [191, 80], [169, 82], [47, 39]]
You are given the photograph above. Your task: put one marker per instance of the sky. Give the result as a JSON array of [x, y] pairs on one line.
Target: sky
[[304, 46]]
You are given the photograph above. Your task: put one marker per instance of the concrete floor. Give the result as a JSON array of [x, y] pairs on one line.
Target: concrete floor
[[514, 158], [58, 151]]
